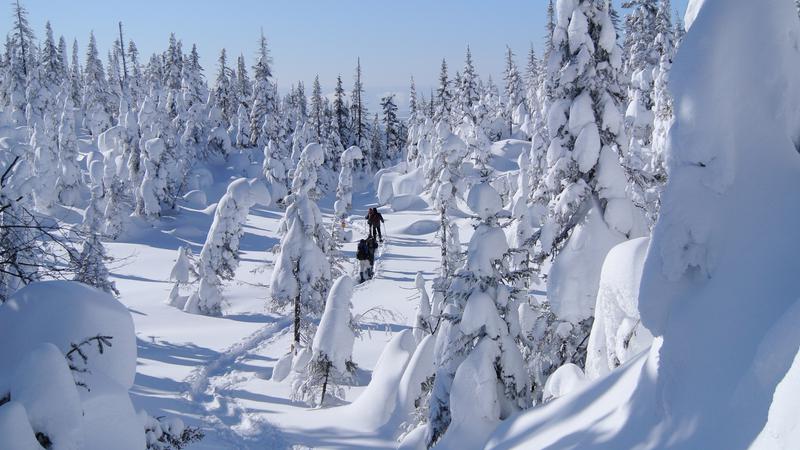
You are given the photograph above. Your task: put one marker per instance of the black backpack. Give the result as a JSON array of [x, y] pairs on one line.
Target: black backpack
[[363, 250]]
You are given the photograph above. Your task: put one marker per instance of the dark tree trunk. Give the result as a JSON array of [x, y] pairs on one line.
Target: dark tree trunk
[[296, 324]]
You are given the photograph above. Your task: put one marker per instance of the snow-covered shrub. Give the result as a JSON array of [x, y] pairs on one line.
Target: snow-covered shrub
[[168, 434], [219, 257], [182, 272], [331, 365]]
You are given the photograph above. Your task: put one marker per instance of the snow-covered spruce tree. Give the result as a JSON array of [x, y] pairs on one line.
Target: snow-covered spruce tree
[[193, 85], [589, 210], [521, 233], [90, 265], [243, 127], [514, 94], [443, 171], [342, 205], [393, 129], [331, 366], [302, 273], [303, 135], [275, 171], [375, 157], [655, 166], [224, 98], [218, 142], [344, 190], [645, 43], [480, 376], [69, 180], [20, 62], [468, 95], [315, 117], [44, 84], [242, 86], [153, 190], [359, 117], [264, 104], [95, 99], [444, 96], [341, 112], [478, 144], [45, 166], [219, 257]]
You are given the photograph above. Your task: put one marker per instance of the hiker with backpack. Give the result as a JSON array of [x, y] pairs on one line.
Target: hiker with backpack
[[365, 255], [374, 221]]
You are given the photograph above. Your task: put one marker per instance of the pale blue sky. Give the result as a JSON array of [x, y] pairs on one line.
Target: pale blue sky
[[395, 39]]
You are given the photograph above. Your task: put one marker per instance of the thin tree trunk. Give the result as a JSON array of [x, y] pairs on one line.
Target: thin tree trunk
[[296, 324], [325, 384]]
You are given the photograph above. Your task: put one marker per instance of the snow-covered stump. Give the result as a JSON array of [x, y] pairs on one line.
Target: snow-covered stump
[[331, 365], [480, 377], [302, 273], [219, 257]]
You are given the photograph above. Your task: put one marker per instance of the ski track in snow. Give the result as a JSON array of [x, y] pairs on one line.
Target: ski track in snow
[[218, 375]]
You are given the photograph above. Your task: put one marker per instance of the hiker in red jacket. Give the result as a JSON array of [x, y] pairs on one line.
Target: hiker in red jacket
[[374, 220]]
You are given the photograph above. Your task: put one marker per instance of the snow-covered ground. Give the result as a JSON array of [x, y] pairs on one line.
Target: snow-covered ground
[[215, 371]]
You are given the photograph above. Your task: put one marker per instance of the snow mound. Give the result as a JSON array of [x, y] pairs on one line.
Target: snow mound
[[407, 202], [89, 408], [15, 430], [419, 228], [617, 334], [575, 274], [564, 380], [377, 405], [62, 313], [484, 200], [334, 337], [392, 184], [504, 154], [196, 199]]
